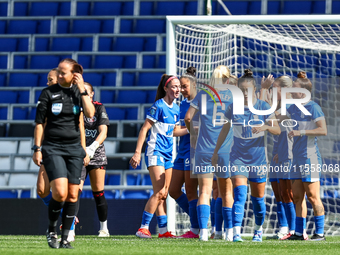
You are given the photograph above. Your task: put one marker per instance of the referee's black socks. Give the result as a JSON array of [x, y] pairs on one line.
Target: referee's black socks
[[101, 205], [54, 209], [69, 212]]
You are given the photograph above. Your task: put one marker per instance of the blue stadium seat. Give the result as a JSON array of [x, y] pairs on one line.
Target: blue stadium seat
[[20, 9], [105, 44], [146, 180], [127, 8], [146, 8], [108, 61], [86, 44], [135, 194], [131, 114], [23, 79], [22, 27], [109, 79], [44, 62], [22, 44], [115, 113], [25, 194], [150, 44], [3, 62], [44, 27], [47, 9], [129, 79], [149, 79], [31, 113], [95, 79], [20, 113], [106, 8], [83, 8], [37, 95], [108, 97], [133, 179], [131, 97], [150, 26], [318, 7], [8, 44], [149, 61], [170, 8], [3, 112], [108, 26], [130, 62], [8, 194], [161, 62], [128, 44], [23, 96], [190, 8], [86, 26], [274, 7], [297, 7], [3, 9], [3, 25], [150, 99], [85, 61], [86, 194], [66, 44], [3, 79], [113, 179], [112, 194], [254, 7], [8, 97], [64, 8], [235, 7], [42, 44], [126, 26], [335, 7], [63, 26]]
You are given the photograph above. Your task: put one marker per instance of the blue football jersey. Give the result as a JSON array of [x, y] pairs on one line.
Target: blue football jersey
[[275, 143], [248, 148], [184, 141], [160, 140], [305, 146], [285, 145], [211, 121]]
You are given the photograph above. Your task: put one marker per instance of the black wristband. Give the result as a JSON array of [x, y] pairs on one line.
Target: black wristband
[[84, 93], [36, 148]]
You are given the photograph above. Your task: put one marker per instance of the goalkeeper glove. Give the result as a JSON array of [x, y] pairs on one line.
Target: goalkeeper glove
[[90, 150]]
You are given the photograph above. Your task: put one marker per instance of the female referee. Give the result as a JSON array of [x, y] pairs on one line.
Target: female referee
[[307, 164], [248, 156], [64, 144], [210, 126], [162, 120], [181, 171], [96, 133]]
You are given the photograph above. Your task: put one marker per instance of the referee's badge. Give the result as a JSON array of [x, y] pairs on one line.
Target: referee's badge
[[56, 108]]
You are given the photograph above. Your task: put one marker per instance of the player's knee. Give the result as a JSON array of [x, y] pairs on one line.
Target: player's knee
[[59, 196]]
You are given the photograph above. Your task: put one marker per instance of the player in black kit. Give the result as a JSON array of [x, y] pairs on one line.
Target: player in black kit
[[61, 106], [96, 132]]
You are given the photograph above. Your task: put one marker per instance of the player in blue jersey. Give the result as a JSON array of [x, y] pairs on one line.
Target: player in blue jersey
[[181, 172], [248, 155], [162, 124], [307, 164], [210, 109], [281, 163]]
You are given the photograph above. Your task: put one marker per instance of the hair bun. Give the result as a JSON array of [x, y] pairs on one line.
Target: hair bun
[[248, 73], [191, 70], [302, 75]]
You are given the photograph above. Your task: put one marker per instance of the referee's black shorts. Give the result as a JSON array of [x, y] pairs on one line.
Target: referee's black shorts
[[63, 161]]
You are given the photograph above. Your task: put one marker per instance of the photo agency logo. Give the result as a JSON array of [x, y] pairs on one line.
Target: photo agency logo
[[238, 103]]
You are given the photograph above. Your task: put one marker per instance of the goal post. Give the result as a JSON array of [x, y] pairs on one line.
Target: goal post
[[271, 44]]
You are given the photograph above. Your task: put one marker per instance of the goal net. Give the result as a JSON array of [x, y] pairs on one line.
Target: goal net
[[275, 45]]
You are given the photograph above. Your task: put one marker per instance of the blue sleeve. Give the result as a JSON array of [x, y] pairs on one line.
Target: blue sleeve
[[154, 112], [290, 110], [196, 101], [266, 106], [229, 112], [317, 113]]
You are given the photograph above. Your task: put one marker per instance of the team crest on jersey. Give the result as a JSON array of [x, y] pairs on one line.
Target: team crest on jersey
[[76, 109], [104, 115], [56, 108], [153, 111], [91, 120]]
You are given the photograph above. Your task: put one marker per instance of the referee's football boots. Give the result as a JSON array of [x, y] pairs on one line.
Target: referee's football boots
[[52, 239], [64, 244]]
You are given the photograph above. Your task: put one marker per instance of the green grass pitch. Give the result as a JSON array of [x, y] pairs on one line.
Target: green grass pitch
[[132, 245]]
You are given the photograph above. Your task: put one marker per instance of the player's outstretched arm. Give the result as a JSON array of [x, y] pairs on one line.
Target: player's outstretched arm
[[320, 130], [180, 131]]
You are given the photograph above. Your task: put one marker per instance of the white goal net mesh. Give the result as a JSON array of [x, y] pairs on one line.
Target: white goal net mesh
[[278, 50]]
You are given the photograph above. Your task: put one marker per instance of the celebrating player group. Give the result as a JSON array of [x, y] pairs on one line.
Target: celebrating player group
[[222, 130]]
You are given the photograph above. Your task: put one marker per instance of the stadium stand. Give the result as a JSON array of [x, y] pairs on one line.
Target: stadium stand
[[121, 45]]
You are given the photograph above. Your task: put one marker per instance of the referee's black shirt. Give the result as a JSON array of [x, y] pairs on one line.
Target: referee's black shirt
[[61, 106]]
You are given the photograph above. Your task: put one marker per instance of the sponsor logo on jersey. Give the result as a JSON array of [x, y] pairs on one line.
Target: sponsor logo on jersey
[[91, 120], [56, 108], [54, 96], [90, 133]]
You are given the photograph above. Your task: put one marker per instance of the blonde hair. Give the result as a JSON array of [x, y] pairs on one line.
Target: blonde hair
[[233, 80], [284, 81], [220, 72]]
